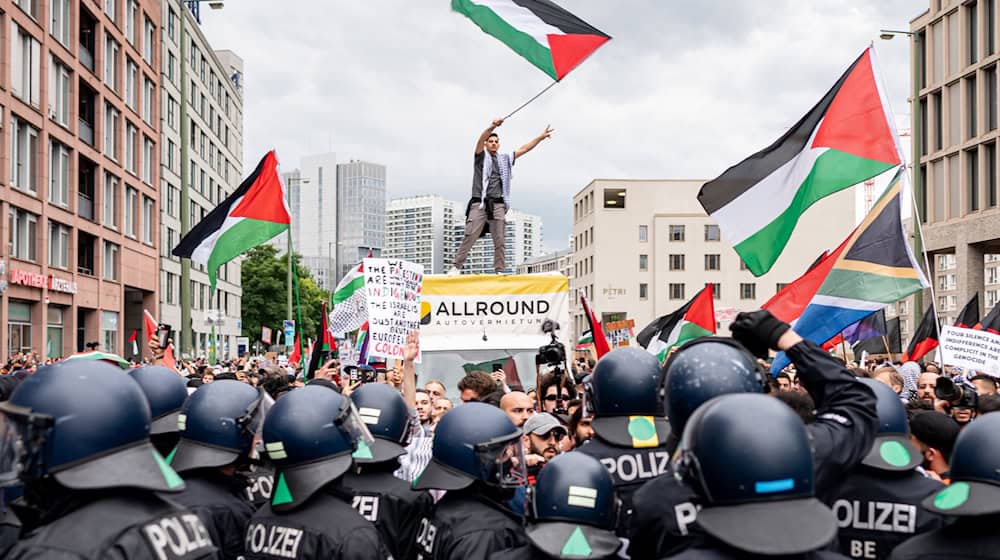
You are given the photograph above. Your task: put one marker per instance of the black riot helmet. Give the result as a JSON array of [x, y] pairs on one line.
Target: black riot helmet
[[165, 392], [573, 508], [474, 442], [218, 423], [892, 450], [86, 425], [309, 435], [749, 459], [388, 419], [975, 472], [702, 370], [623, 397]]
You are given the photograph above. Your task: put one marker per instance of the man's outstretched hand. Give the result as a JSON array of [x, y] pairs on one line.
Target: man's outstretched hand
[[547, 133], [497, 122], [759, 331]]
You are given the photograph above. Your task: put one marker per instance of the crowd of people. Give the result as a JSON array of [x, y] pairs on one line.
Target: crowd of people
[[705, 456]]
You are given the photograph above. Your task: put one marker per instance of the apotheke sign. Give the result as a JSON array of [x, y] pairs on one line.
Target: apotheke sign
[[34, 280]]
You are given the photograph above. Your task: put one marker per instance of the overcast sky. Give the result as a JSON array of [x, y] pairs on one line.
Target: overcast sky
[[683, 90]]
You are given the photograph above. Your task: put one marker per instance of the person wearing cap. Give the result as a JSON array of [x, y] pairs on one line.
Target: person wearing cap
[[542, 433], [380, 497], [878, 504], [76, 434], [934, 435], [665, 520], [217, 424], [309, 434], [973, 497], [571, 512], [749, 460], [478, 457]]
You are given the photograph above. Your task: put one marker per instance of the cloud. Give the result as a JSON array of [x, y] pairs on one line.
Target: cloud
[[684, 90]]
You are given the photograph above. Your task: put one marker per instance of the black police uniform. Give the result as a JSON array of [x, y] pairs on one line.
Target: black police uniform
[[220, 502], [324, 526], [664, 517], [718, 551], [133, 525], [10, 528], [465, 526], [260, 483], [630, 468], [389, 503], [968, 538]]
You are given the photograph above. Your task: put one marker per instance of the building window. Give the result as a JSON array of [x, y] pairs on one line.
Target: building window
[[716, 290], [946, 261], [131, 20], [712, 232], [54, 338], [676, 233], [169, 288], [131, 199], [148, 220], [643, 291], [148, 95], [23, 154], [172, 24], [643, 262], [748, 290], [109, 332], [171, 112], [22, 229], [614, 198], [131, 139], [148, 41], [110, 8], [110, 264], [148, 158], [990, 153], [713, 262], [171, 67], [990, 77], [110, 62], [59, 94], [779, 286], [938, 110], [59, 16], [676, 262], [972, 33], [971, 93], [743, 265], [131, 84], [171, 198], [18, 327], [954, 114], [676, 291], [111, 118], [25, 66], [58, 174], [110, 201], [58, 245], [972, 178]]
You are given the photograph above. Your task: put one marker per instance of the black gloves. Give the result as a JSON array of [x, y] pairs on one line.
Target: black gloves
[[758, 331]]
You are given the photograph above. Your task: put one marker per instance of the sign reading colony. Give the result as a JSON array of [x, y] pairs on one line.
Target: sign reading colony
[[393, 288], [971, 349]]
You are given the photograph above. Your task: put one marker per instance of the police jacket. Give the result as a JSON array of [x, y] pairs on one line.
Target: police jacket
[[877, 510], [967, 538], [260, 482], [464, 526], [530, 552], [630, 468], [122, 526], [662, 522], [324, 526], [718, 551], [220, 502], [389, 503], [10, 528]]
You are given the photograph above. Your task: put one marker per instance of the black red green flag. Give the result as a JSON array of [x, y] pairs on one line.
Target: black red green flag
[[968, 318], [924, 339]]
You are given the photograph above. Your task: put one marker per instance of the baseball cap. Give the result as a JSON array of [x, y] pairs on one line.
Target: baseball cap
[[975, 473], [936, 430], [542, 423]]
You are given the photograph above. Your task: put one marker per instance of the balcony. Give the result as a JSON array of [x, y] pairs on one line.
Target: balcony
[[86, 132], [86, 58], [88, 35], [85, 206]]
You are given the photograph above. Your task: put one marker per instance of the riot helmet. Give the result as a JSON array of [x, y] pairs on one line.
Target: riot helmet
[[622, 397], [892, 450], [165, 392], [975, 472], [388, 419]]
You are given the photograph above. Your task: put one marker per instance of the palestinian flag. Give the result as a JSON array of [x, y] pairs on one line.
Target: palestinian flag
[[324, 346], [585, 341], [847, 138], [924, 339], [253, 214], [601, 346], [549, 37], [694, 320], [349, 301], [992, 321], [968, 318]]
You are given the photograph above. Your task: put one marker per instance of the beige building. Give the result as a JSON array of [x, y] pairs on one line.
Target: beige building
[[559, 261], [645, 247]]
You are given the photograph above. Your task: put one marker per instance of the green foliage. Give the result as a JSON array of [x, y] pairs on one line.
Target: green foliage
[[265, 303]]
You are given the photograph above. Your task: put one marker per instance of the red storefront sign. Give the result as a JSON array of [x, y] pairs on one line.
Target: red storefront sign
[[34, 280]]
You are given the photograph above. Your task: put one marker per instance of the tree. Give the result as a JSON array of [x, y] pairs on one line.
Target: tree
[[265, 304]]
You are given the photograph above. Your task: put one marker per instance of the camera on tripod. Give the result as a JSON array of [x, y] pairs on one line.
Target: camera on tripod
[[554, 353], [959, 395]]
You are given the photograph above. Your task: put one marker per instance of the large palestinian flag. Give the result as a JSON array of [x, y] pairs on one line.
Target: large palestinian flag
[[252, 215], [694, 320], [847, 138], [548, 36]]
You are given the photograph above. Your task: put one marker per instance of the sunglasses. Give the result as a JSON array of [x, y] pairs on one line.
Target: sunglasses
[[557, 434], [551, 398]]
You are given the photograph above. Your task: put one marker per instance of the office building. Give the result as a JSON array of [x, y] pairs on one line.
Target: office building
[[522, 241], [559, 261], [643, 248], [78, 257], [201, 122], [361, 213], [420, 229]]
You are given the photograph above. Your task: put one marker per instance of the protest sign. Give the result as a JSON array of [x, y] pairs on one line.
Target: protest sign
[[393, 290], [619, 333], [971, 349]]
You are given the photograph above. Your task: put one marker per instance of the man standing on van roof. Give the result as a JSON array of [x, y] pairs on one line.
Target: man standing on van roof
[[487, 209]]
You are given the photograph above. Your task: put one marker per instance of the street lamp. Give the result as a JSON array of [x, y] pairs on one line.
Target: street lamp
[[917, 149]]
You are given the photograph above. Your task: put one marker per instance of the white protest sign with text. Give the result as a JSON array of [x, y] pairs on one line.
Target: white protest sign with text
[[393, 290], [971, 349]]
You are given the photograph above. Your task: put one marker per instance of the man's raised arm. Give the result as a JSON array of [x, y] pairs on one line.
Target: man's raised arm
[[480, 144], [534, 142]]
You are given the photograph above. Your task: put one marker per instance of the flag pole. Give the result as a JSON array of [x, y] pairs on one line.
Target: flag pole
[[298, 309], [528, 102], [885, 340], [843, 348]]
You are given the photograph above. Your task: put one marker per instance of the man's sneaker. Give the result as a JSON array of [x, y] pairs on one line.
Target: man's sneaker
[[454, 271]]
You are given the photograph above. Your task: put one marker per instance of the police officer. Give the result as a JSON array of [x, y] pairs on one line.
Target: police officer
[[165, 392], [878, 504], [749, 461], [380, 497], [77, 435], [630, 432], [664, 520], [218, 423], [309, 435], [973, 497], [571, 512], [478, 457]]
